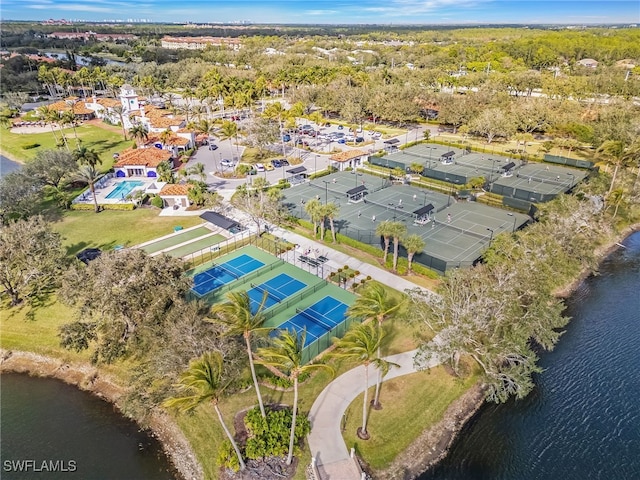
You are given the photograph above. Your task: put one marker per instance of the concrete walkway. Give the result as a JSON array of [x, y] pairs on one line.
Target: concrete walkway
[[339, 259], [332, 457]]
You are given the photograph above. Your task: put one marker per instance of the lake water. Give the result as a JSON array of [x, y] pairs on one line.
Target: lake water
[[46, 420], [583, 419], [7, 166]]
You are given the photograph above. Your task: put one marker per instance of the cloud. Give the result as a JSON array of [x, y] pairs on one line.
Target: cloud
[[401, 8], [320, 12]]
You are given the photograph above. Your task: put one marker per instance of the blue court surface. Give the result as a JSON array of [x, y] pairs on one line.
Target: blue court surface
[[278, 289], [318, 319], [219, 275]]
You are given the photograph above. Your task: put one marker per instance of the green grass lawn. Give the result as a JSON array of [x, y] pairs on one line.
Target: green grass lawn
[[105, 230], [411, 404], [104, 142]]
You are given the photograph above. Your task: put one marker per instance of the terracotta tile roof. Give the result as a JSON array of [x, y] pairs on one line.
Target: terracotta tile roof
[[172, 140], [165, 122], [149, 157], [78, 107], [347, 155], [173, 189], [108, 102]]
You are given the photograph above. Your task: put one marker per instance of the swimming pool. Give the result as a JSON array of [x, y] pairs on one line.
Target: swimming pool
[[124, 188]]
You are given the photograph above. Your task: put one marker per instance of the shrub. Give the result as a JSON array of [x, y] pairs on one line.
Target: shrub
[[269, 437], [426, 271], [227, 457], [30, 146], [157, 201], [106, 206], [370, 249]]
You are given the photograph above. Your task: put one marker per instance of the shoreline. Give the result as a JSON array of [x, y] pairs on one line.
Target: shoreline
[[425, 452], [11, 157], [89, 379], [433, 444]]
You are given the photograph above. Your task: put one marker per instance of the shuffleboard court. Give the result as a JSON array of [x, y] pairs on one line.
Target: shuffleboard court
[[196, 246], [318, 319], [277, 289], [224, 273], [176, 239]]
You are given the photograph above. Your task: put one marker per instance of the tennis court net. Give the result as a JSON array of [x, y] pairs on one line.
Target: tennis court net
[[393, 207], [229, 271], [321, 187], [552, 181], [484, 168], [269, 291], [463, 231], [317, 318]]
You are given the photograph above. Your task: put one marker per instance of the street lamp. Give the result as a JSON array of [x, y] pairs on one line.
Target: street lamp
[[515, 219], [491, 237], [573, 179], [425, 199], [446, 179], [357, 175], [493, 164], [326, 191], [315, 164]]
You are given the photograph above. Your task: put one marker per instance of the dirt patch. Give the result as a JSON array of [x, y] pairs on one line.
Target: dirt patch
[[89, 378], [433, 444]]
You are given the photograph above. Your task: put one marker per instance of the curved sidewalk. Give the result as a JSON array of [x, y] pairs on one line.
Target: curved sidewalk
[[327, 446]]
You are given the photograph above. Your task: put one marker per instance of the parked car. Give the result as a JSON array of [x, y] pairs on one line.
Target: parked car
[[286, 137], [276, 163], [350, 138], [302, 143], [213, 146], [227, 163], [341, 140], [284, 162], [268, 166], [359, 139], [259, 167], [340, 127], [376, 135]]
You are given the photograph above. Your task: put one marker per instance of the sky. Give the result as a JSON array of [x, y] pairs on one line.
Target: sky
[[382, 12]]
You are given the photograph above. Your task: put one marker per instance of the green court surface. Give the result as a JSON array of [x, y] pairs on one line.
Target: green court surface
[[176, 239], [196, 246]]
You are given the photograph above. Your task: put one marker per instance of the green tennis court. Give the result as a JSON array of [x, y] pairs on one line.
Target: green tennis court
[[176, 239], [196, 246]]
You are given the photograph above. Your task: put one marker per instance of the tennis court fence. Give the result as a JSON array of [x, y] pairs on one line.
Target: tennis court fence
[[463, 231], [318, 318], [269, 291]]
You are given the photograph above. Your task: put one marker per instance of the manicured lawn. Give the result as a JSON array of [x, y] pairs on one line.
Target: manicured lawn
[[411, 404], [104, 142], [105, 230]]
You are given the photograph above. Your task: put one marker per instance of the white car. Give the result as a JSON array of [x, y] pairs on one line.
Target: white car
[[349, 138], [376, 135], [259, 167]]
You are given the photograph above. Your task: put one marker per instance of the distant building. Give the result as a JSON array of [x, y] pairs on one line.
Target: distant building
[[200, 43], [588, 63], [102, 37]]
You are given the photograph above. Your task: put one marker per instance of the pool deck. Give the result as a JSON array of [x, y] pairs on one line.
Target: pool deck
[[107, 184]]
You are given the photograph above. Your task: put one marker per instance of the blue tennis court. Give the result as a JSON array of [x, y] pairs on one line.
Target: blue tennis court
[[318, 319], [278, 289], [224, 273]]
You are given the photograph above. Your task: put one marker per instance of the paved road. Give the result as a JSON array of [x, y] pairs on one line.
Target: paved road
[[327, 446]]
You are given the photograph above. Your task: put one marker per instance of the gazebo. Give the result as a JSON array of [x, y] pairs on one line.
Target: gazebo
[[423, 214]]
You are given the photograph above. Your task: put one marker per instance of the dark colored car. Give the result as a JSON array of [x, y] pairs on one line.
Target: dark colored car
[[284, 162], [213, 146], [359, 139], [276, 163], [286, 138]]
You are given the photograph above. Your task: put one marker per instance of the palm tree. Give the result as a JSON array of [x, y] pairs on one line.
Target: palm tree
[[397, 230], [139, 133], [202, 382], [165, 136], [375, 302], [236, 313], [89, 175], [413, 244], [385, 230], [617, 198], [361, 343], [46, 113], [228, 131], [165, 174], [313, 208], [86, 156], [198, 169], [612, 152], [284, 359], [119, 110], [331, 211], [416, 167]]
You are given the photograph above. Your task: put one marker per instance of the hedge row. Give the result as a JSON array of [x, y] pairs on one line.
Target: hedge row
[[106, 206]]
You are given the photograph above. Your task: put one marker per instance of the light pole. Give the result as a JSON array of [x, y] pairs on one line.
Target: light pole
[[491, 237], [493, 164], [315, 164], [425, 199], [573, 179], [515, 219], [357, 175], [326, 191]]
